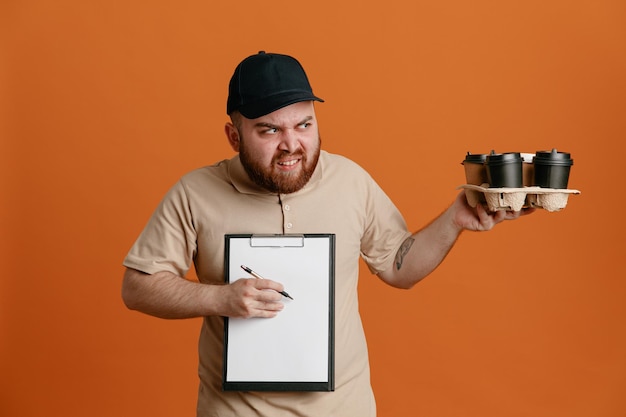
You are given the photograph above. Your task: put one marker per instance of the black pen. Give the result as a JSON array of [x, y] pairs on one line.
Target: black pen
[[254, 274]]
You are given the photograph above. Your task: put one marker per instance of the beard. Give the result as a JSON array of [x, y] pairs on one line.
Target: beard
[[273, 180]]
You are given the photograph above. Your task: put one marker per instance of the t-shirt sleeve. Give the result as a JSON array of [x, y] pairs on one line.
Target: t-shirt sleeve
[[168, 242], [384, 232]]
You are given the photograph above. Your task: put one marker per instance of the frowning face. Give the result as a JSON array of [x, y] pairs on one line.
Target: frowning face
[[280, 150]]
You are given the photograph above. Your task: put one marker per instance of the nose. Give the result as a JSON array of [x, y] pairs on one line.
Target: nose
[[289, 141]]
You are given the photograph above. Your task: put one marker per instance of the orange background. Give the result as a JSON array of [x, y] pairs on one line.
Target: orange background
[[107, 104]]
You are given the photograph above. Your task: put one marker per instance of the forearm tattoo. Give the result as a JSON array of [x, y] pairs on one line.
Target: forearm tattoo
[[404, 249]]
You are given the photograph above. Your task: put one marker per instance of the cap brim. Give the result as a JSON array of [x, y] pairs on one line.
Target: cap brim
[[273, 103]]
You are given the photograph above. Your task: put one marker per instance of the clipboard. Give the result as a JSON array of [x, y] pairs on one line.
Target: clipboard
[[295, 350]]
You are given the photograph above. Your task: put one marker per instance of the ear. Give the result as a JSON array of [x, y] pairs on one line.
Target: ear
[[232, 134]]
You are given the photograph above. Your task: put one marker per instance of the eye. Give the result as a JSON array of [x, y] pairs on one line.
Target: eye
[[305, 125], [270, 130]]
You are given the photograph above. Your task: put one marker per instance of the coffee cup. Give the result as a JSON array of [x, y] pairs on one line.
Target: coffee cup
[[528, 169], [504, 170], [552, 169], [475, 172]]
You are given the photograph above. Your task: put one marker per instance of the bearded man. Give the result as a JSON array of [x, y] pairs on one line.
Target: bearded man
[[281, 182]]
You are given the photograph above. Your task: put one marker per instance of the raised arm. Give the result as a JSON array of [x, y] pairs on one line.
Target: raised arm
[[170, 296], [421, 253]]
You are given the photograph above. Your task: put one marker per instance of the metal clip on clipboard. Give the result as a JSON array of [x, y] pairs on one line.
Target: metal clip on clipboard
[[277, 241]]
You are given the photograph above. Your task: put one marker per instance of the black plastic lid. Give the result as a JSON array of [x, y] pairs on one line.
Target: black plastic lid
[[553, 158], [475, 158], [503, 158]]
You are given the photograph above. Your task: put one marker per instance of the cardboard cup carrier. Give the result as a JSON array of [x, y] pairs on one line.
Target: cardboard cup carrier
[[513, 180]]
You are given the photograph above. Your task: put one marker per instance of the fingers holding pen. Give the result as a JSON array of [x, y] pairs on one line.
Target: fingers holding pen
[[256, 275], [254, 298], [268, 290]]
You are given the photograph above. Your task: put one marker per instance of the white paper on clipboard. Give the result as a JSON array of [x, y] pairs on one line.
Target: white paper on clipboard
[[294, 350]]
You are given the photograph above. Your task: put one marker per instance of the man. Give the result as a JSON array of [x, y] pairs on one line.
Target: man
[[281, 182]]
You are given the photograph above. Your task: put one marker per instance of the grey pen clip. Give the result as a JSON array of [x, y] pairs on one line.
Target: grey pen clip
[[254, 274]]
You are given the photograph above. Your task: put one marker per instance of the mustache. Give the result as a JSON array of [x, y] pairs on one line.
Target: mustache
[[286, 154]]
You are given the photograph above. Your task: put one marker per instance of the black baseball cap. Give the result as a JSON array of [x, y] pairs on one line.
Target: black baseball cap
[[266, 82]]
